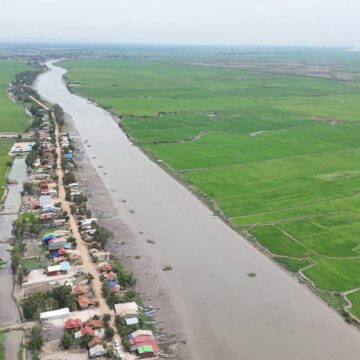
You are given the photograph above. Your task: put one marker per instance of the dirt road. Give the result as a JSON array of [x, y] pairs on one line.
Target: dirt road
[[88, 265]]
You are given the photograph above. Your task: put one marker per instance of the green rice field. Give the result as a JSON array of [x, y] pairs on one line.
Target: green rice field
[[12, 116], [278, 154]]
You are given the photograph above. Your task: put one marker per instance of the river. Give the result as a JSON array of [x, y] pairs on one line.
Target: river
[[7, 216], [228, 314]]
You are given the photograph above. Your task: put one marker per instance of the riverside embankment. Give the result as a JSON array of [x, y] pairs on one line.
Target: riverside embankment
[[228, 314]]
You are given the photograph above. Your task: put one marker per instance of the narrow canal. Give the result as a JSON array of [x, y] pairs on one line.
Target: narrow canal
[[9, 313]]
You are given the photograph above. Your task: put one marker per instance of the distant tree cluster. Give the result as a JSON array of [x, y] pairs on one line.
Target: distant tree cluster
[[59, 114]]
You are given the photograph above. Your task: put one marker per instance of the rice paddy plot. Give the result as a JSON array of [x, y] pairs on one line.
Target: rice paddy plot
[[12, 115]]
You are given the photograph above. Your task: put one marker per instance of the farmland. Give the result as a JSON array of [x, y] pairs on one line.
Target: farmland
[[12, 116], [277, 154]]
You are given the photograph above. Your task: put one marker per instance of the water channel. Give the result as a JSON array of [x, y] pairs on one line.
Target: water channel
[[9, 313]]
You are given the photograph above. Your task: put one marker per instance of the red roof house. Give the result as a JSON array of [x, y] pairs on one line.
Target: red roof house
[[87, 330], [79, 290], [84, 302], [93, 323], [142, 340], [94, 341], [73, 324]]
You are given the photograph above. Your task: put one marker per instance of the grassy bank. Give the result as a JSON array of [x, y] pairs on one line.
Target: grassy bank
[[279, 154]]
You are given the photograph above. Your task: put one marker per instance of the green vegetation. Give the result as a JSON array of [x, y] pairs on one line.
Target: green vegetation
[[36, 340], [2, 346], [293, 265], [58, 297], [278, 154], [67, 340], [5, 146], [355, 300], [12, 116]]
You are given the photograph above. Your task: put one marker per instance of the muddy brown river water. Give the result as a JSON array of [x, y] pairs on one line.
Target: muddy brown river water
[[227, 314]]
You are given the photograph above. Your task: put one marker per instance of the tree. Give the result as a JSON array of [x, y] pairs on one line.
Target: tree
[[84, 340], [112, 299], [28, 188], [106, 320], [67, 340], [59, 114], [109, 332], [69, 178], [102, 235], [35, 356], [59, 296], [89, 277], [109, 354], [36, 339]]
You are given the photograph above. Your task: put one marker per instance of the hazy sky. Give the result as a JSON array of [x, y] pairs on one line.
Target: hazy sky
[[246, 22]]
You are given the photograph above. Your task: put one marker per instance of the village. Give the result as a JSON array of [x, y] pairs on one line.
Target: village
[[78, 298]]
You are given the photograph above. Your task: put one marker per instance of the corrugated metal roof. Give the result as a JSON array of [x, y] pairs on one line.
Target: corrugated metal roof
[[54, 313]]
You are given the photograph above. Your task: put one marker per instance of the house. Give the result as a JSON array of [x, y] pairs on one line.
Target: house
[[87, 221], [87, 330], [143, 338], [57, 246], [22, 147], [53, 270], [94, 341], [45, 201], [110, 276], [127, 309], [45, 217], [46, 238], [60, 253], [141, 333], [96, 351], [79, 290], [61, 232], [105, 267], [84, 302], [146, 351], [58, 222], [55, 314], [137, 344], [99, 255], [115, 290], [73, 324], [69, 156], [35, 204], [94, 323], [65, 266]]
